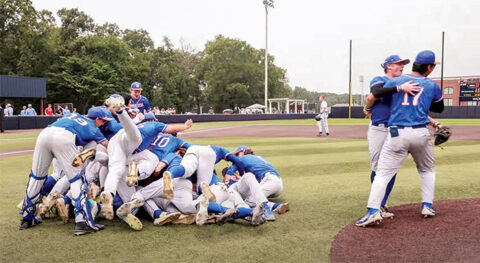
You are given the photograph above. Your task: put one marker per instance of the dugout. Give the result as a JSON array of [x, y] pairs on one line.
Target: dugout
[[20, 91]]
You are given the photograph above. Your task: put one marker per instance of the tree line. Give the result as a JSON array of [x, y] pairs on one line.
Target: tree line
[[84, 62]]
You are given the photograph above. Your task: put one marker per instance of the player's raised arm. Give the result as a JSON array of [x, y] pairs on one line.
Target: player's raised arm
[[179, 128]]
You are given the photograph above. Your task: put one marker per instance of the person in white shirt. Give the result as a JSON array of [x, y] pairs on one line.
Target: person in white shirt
[[323, 122]]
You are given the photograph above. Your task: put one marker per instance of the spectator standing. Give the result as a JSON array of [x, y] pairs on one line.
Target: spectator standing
[[8, 110], [59, 111], [66, 111], [49, 110], [24, 111], [30, 111]]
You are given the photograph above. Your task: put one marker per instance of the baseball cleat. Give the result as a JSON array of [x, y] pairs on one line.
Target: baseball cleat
[[167, 185], [115, 102], [202, 214], [48, 203], [228, 215], [62, 209], [132, 221], [20, 205], [93, 191], [132, 177], [208, 192], [427, 210], [283, 208], [257, 215], [269, 216], [385, 213], [372, 217], [129, 206], [82, 229], [107, 205], [82, 157], [24, 224], [185, 219], [165, 218]]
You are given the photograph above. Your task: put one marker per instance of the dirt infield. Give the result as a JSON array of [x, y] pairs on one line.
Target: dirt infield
[[336, 131], [453, 235]]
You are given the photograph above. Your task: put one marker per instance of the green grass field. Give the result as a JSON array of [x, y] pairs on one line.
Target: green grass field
[[26, 140], [326, 182]]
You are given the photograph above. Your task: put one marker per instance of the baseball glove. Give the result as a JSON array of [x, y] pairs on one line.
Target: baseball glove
[[318, 117], [367, 112], [442, 134]]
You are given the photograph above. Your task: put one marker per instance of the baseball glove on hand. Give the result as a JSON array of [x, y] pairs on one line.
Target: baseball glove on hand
[[442, 134], [367, 112], [318, 117]]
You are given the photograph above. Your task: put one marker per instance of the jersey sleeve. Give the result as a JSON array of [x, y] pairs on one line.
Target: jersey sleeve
[[160, 127], [390, 83], [232, 169], [97, 135], [376, 81], [437, 93], [147, 104]]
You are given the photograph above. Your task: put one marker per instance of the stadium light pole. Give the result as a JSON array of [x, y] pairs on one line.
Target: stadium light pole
[[267, 4]]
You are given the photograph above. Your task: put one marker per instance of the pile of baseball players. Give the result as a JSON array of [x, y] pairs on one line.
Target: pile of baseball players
[[398, 107], [118, 159]]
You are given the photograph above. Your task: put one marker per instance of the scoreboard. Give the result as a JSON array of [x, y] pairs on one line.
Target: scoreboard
[[470, 89]]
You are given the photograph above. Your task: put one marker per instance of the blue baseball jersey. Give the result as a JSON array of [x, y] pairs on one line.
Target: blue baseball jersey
[[171, 160], [112, 127], [165, 144], [408, 110], [83, 128], [142, 104], [149, 131], [254, 164], [221, 153], [381, 108]]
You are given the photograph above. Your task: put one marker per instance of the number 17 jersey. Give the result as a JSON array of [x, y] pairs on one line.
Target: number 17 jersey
[[407, 110]]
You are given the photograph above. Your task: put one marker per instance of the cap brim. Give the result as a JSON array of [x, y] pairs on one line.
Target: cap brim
[[106, 119], [136, 89], [403, 61]]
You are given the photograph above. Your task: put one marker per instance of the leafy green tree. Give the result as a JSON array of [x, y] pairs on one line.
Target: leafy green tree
[[139, 40]]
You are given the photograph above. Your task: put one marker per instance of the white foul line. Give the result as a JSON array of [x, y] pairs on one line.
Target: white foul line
[[13, 153]]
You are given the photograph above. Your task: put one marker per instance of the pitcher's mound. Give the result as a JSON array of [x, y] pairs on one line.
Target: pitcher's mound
[[453, 235]]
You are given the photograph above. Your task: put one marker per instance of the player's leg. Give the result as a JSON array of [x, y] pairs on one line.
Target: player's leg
[[325, 124], [65, 151], [272, 185], [422, 153], [42, 158], [117, 169], [145, 162], [393, 153], [187, 167], [206, 166], [131, 130], [319, 125]]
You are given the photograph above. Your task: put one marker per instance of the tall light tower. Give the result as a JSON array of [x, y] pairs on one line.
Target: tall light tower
[[267, 4]]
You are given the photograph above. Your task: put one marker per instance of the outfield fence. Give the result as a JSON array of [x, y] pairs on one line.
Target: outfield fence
[[40, 122]]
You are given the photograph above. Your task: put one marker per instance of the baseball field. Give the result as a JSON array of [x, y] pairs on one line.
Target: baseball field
[[326, 181]]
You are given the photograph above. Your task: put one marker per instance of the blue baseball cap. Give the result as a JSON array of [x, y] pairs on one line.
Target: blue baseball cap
[[149, 116], [136, 86], [393, 59], [98, 112], [426, 57], [242, 148]]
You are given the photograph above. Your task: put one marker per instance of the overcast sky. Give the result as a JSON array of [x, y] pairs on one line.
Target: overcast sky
[[310, 38]]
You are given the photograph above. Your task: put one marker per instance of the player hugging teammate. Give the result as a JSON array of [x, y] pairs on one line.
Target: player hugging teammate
[[128, 161], [399, 118]]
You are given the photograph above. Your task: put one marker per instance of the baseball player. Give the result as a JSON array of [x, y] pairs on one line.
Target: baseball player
[[323, 122], [132, 138], [60, 140], [266, 175], [408, 134], [379, 114], [137, 99], [202, 160]]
